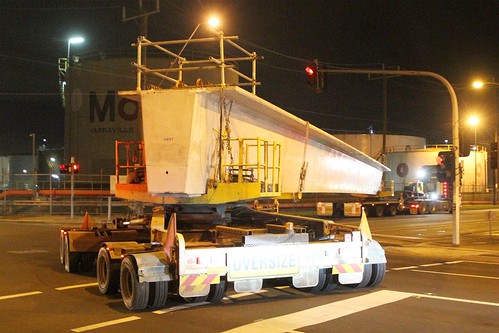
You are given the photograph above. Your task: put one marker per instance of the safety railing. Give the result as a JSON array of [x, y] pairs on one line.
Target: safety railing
[[258, 160], [130, 161]]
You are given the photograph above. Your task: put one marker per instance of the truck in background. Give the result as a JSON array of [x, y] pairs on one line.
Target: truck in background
[[427, 195]]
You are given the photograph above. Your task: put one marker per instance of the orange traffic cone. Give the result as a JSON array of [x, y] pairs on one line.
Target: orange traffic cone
[[84, 225]]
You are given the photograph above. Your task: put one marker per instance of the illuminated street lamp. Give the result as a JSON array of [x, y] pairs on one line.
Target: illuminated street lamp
[[478, 84], [473, 121], [74, 40]]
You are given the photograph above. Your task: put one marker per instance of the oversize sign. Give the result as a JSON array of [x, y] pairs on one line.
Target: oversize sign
[[262, 262]]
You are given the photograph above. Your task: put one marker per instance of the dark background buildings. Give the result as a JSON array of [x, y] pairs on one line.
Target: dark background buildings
[[457, 39]]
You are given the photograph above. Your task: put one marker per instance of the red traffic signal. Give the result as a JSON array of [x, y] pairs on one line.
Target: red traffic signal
[[75, 167], [310, 71], [316, 78], [68, 168], [64, 168]]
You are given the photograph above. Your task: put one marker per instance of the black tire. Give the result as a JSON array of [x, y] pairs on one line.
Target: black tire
[[379, 210], [331, 281], [378, 273], [217, 291], [134, 293], [108, 273], [365, 279], [391, 210], [158, 294], [433, 209], [71, 259], [320, 285]]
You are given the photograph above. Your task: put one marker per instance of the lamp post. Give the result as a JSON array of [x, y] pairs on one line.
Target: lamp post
[[74, 40], [473, 121], [33, 161], [478, 85]]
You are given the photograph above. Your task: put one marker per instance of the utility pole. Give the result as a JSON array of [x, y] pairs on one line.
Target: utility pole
[[143, 15]]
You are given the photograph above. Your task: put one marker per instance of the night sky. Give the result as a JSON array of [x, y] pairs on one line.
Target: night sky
[[458, 39]]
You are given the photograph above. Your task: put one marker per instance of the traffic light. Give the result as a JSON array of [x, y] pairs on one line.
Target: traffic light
[[68, 168], [317, 78], [75, 167], [64, 168], [493, 155], [446, 166], [311, 75]]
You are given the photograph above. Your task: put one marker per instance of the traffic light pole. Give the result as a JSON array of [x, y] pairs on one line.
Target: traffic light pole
[[455, 133], [72, 187]]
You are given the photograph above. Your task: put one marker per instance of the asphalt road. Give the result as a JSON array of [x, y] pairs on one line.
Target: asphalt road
[[430, 285]]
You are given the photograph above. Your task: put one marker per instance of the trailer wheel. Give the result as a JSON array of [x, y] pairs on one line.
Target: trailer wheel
[[391, 210], [331, 281], [217, 291], [378, 273], [135, 294], [158, 294], [321, 285], [108, 273], [365, 279], [379, 210], [71, 259], [422, 209]]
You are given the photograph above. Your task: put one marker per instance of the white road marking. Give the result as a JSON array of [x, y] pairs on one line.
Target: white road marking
[[457, 299], [317, 315], [323, 313], [180, 307], [431, 265], [235, 296], [403, 268], [105, 324], [457, 274], [427, 265], [20, 295], [77, 286]]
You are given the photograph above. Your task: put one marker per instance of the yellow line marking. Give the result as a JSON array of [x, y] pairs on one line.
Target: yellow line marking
[[20, 295], [105, 324], [77, 286], [457, 274]]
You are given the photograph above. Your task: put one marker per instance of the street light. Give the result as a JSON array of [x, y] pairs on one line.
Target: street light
[[478, 84], [74, 40], [473, 121]]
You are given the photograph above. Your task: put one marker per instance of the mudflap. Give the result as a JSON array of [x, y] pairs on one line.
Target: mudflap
[[196, 285], [374, 253], [153, 266], [248, 285], [308, 277]]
